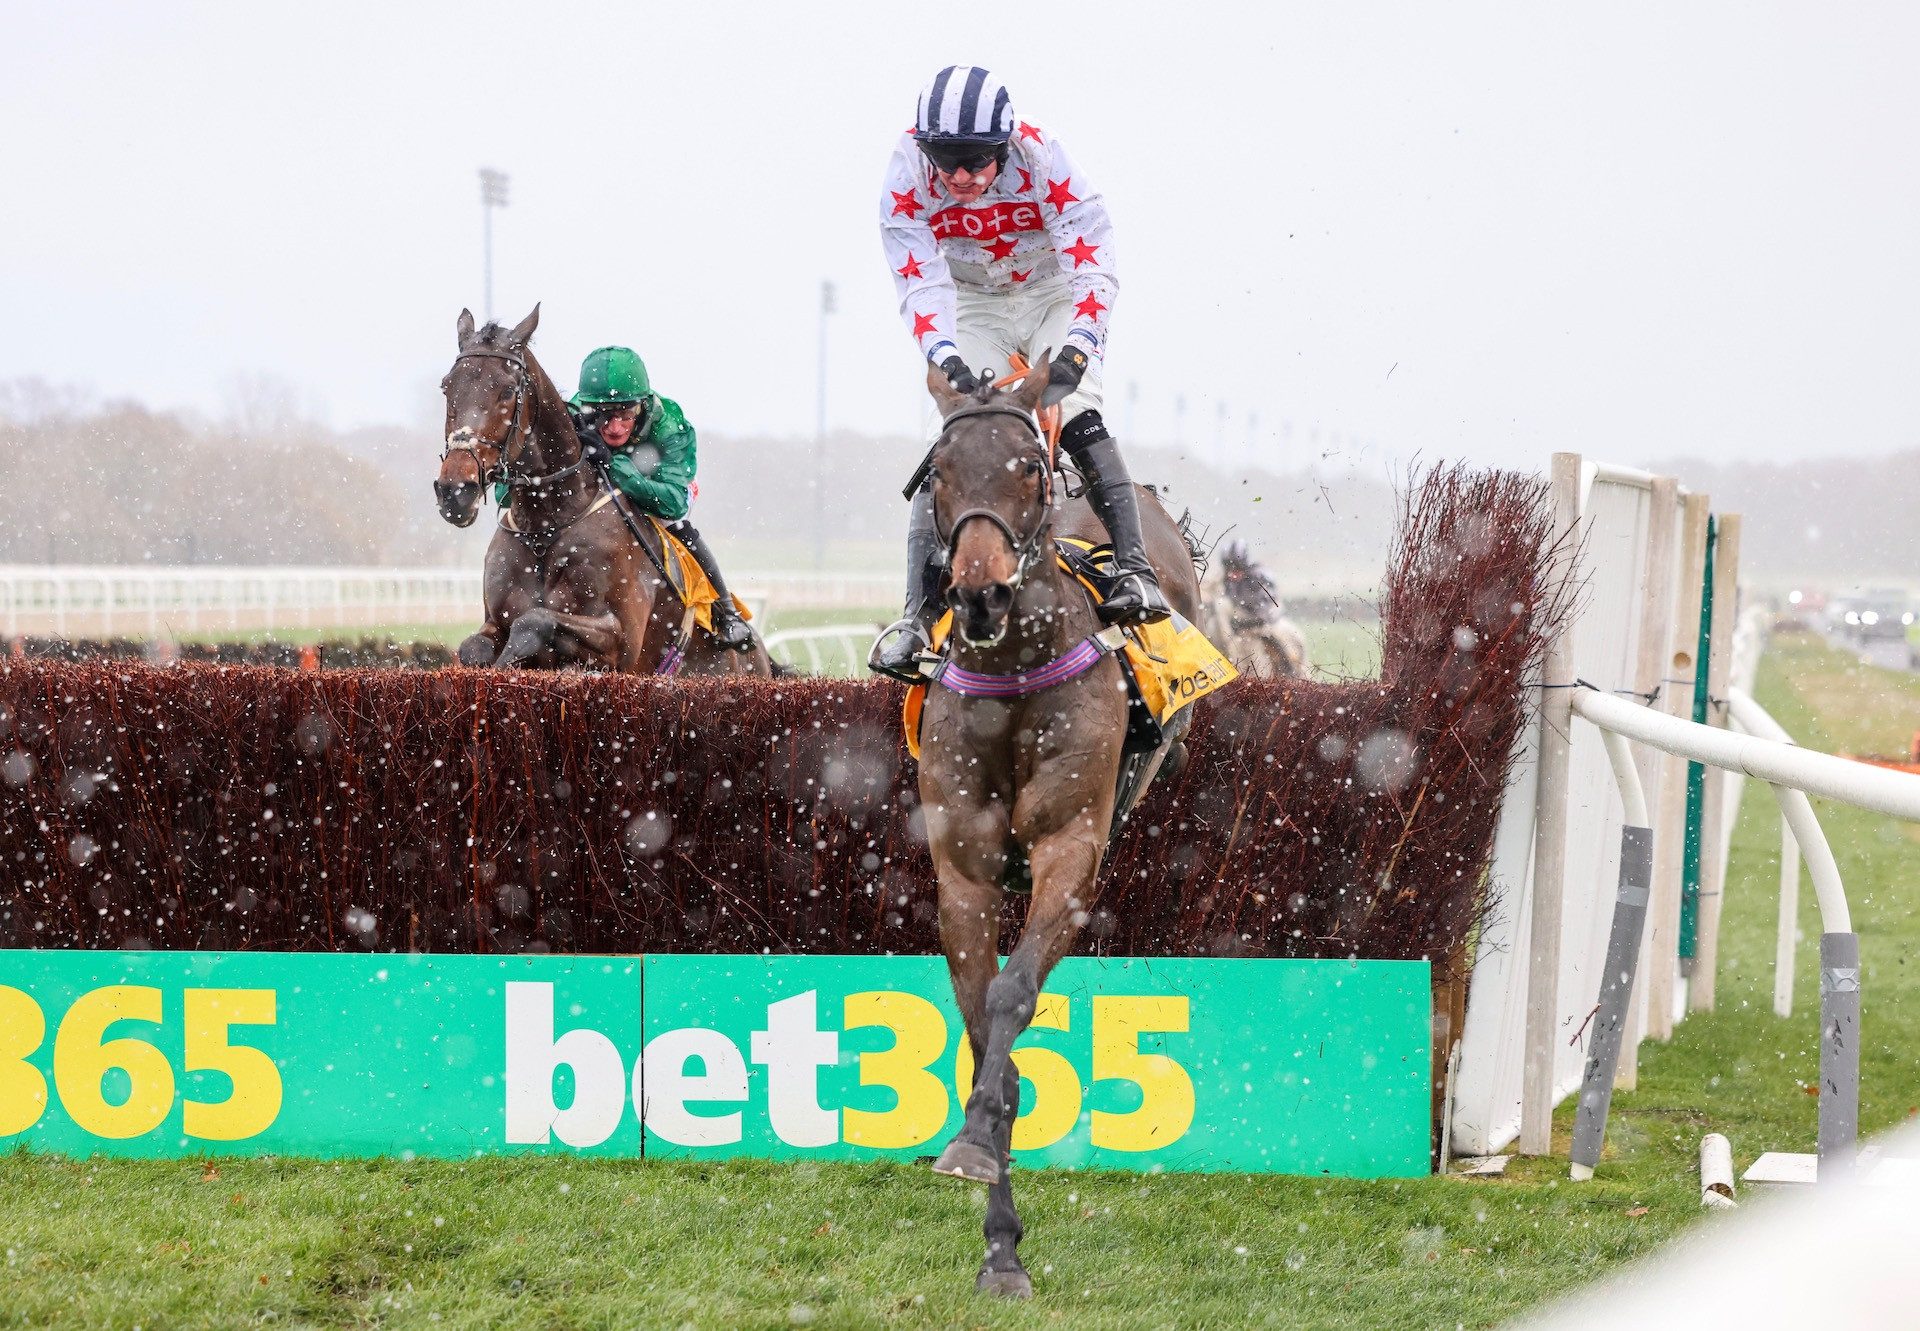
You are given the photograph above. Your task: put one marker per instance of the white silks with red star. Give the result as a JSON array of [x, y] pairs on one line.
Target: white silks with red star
[[1041, 230]]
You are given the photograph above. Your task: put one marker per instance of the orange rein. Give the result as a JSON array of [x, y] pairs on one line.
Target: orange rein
[[1049, 416]]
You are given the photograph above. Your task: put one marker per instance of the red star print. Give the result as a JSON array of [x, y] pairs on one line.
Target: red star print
[[1059, 194], [1082, 252], [1090, 308], [1031, 132], [1000, 248], [1021, 277], [1026, 180], [923, 323], [911, 268], [908, 204]]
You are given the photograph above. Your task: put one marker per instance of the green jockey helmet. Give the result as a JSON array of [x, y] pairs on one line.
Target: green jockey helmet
[[612, 375]]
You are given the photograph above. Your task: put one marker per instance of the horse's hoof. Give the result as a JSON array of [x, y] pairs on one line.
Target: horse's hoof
[[962, 1159], [1175, 762], [1014, 1284]]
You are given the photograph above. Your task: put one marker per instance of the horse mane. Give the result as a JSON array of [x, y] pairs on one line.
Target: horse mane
[[492, 335]]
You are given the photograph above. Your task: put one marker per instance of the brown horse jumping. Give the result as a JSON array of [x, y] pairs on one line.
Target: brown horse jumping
[[569, 584], [1031, 777]]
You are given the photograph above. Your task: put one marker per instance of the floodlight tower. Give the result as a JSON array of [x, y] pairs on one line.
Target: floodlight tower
[[493, 194], [828, 305]]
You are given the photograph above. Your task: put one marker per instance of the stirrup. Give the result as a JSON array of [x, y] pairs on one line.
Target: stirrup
[[731, 631], [1135, 598], [891, 663]]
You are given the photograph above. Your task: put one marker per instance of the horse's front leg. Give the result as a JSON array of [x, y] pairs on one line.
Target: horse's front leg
[[970, 936], [552, 637], [1064, 866], [968, 831], [576, 625], [481, 648]]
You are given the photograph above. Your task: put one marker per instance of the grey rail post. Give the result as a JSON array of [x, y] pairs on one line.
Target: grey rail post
[[1839, 1054], [1616, 989]]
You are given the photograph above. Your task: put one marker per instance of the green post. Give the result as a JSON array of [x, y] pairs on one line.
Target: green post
[[1697, 772]]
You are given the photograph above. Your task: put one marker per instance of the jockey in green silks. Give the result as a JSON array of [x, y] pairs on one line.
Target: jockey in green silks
[[645, 445]]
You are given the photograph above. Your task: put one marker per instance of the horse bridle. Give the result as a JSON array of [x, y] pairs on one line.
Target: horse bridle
[[471, 446], [1026, 548]]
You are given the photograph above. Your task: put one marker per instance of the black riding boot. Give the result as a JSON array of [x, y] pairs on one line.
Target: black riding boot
[[1136, 597], [897, 649], [729, 630]]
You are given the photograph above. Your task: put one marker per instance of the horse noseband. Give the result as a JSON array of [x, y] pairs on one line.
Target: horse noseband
[[471, 443]]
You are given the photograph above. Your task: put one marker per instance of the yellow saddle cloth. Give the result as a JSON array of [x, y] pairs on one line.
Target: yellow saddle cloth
[[1171, 662], [690, 581]]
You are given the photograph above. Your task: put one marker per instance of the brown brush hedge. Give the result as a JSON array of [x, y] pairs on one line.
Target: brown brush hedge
[[201, 806]]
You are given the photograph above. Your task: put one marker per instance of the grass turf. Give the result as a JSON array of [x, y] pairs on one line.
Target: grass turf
[[559, 1243]]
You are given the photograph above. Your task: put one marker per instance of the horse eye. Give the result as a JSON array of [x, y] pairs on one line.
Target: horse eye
[[1033, 466]]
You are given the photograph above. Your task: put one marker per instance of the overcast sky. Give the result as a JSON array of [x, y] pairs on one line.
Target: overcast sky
[[1479, 231]]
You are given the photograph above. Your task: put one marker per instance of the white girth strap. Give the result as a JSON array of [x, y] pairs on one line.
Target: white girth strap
[[506, 514]]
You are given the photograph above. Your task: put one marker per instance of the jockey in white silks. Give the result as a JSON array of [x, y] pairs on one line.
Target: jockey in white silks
[[1000, 246]]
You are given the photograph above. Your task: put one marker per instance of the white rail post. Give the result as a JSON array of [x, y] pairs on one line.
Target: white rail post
[[1714, 810], [1550, 834], [1649, 667], [1787, 932], [1670, 824]]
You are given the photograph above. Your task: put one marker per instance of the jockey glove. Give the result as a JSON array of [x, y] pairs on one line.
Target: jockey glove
[[591, 444], [1069, 368], [958, 375]]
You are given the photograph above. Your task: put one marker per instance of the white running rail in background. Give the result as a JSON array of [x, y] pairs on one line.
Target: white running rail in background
[[84, 600], [803, 649]]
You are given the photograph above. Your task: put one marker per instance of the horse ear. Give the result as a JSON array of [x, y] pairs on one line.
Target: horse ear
[[523, 330], [465, 328], [945, 395], [1034, 386]]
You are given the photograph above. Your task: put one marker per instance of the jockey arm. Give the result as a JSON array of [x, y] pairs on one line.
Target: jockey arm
[[661, 489], [1083, 237], [920, 274]]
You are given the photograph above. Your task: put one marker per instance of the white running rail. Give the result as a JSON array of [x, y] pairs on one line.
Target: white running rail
[[847, 659], [79, 600]]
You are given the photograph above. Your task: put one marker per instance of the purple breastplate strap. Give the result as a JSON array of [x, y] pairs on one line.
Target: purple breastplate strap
[[1077, 661]]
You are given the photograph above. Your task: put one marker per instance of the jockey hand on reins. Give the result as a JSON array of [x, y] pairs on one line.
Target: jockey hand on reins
[[959, 377], [1069, 368]]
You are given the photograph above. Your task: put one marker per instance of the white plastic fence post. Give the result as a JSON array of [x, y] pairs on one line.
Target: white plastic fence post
[[1787, 932], [1714, 810], [1649, 666], [1670, 819], [1550, 837]]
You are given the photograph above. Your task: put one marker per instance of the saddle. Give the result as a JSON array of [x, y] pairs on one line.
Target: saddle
[[1167, 666]]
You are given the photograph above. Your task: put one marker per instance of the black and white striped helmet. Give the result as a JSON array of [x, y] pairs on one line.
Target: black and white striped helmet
[[964, 110]]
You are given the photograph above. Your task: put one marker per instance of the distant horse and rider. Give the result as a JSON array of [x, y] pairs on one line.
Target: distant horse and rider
[[1245, 617], [576, 574]]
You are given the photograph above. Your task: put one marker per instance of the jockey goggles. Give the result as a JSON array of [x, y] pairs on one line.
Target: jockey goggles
[[963, 154]]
